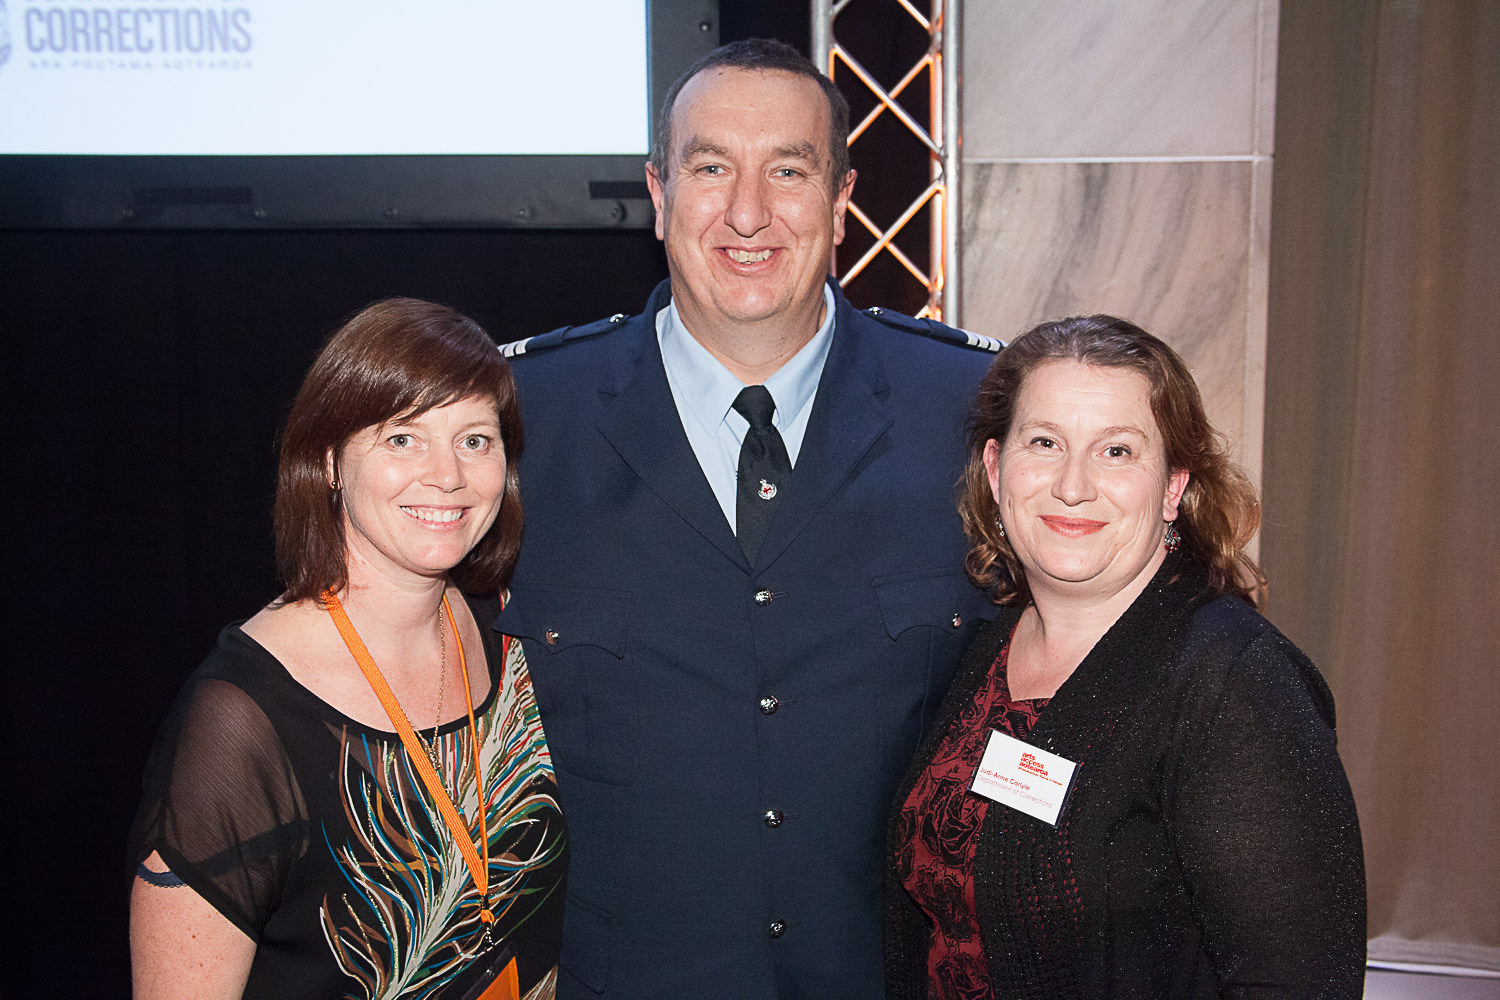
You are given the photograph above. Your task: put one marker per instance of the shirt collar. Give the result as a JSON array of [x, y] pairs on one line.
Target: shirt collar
[[708, 389]]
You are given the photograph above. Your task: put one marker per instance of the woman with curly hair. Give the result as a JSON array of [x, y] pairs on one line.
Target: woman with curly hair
[[1132, 787]]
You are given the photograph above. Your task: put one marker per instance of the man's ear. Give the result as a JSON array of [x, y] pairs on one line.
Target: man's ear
[[841, 205], [658, 199]]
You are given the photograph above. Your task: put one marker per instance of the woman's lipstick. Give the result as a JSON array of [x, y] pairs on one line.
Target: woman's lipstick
[[1072, 527]]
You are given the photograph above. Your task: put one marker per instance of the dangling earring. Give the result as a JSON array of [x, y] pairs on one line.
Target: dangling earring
[[1000, 525], [1173, 540]]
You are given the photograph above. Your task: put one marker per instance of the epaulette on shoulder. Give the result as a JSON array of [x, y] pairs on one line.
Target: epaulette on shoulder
[[561, 335], [935, 330]]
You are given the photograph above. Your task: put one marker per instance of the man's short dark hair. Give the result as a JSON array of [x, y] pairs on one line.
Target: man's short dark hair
[[767, 55]]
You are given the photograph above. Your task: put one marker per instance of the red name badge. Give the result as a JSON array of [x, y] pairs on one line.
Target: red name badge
[[1024, 777]]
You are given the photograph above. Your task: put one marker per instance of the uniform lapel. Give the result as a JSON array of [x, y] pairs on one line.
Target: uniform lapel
[[849, 416], [641, 423]]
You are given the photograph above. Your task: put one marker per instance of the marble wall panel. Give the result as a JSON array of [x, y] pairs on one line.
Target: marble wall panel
[[1172, 246], [1106, 79]]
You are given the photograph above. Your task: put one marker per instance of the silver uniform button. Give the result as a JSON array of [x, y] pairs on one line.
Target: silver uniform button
[[552, 637], [763, 597], [958, 619], [776, 929], [773, 818], [768, 705]]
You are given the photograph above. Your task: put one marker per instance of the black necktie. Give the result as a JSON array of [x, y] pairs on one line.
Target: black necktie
[[765, 470]]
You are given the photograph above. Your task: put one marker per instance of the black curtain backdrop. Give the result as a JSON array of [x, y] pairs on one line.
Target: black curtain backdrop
[[148, 374]]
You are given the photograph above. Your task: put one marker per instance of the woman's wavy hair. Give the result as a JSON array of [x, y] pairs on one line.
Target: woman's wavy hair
[[1219, 513], [396, 358]]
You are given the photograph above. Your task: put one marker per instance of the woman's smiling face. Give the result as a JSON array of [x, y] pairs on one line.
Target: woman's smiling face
[[420, 492], [1082, 480]]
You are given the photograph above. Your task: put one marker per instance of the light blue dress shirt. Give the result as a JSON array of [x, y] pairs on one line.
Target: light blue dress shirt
[[704, 391]]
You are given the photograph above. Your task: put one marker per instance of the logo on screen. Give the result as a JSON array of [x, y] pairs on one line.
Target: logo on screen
[[116, 35]]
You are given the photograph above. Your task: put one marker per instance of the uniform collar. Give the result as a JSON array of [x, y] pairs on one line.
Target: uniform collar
[[708, 389]]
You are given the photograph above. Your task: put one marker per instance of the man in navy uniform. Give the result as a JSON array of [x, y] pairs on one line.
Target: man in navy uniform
[[741, 591]]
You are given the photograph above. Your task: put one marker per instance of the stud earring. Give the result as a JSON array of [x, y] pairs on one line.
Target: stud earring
[[1172, 541]]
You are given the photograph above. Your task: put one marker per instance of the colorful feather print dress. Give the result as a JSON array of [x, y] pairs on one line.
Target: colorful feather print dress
[[314, 835]]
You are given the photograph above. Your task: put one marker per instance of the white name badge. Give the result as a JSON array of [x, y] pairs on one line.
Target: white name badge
[[1024, 777]]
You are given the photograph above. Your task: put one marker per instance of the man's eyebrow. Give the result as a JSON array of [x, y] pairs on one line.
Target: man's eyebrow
[[803, 150], [699, 146]]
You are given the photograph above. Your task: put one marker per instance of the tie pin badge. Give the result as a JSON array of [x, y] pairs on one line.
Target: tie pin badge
[[767, 490]]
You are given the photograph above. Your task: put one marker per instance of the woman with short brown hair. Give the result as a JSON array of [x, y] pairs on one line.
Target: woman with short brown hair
[[1132, 786], [353, 795]]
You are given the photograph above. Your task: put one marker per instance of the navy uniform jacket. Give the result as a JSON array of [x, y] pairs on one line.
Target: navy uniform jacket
[[727, 737]]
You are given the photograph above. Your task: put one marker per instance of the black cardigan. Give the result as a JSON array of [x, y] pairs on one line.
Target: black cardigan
[[1210, 847]]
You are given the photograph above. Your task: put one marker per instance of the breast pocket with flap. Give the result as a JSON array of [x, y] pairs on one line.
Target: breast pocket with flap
[[930, 616], [941, 599], [576, 642]]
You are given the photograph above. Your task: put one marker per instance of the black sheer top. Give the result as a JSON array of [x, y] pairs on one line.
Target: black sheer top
[[313, 834]]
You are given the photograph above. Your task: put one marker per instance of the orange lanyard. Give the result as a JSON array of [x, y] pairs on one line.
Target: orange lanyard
[[451, 816]]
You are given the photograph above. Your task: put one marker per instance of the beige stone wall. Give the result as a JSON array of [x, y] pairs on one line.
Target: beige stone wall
[[1117, 158]]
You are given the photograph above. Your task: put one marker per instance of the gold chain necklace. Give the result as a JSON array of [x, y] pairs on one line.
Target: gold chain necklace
[[431, 745]]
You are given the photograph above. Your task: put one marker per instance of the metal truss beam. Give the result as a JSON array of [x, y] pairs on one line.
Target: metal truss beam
[[942, 66]]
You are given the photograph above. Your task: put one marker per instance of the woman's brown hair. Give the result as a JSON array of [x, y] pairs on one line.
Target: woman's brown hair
[[396, 358], [1219, 513]]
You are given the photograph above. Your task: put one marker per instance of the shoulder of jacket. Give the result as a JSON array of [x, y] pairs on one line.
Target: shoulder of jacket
[[1231, 617], [1236, 648], [933, 329], [563, 335]]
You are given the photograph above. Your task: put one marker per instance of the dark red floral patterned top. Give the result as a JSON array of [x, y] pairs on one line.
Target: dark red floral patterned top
[[943, 818]]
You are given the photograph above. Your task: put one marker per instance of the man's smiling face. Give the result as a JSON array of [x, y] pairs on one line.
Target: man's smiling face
[[749, 210]]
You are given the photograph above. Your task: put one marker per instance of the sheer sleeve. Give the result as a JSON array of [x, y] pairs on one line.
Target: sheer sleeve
[[221, 804], [1266, 831]]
